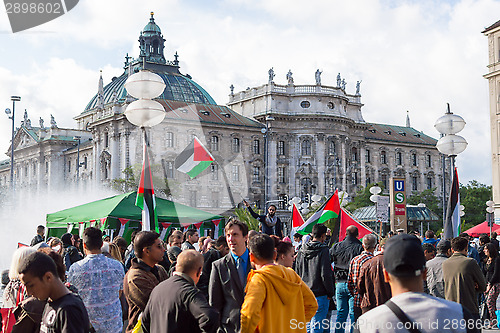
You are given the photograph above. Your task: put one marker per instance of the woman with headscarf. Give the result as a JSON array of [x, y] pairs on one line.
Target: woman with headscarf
[[70, 254]]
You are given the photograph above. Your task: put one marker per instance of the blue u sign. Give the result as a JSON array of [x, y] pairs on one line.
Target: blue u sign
[[399, 185]]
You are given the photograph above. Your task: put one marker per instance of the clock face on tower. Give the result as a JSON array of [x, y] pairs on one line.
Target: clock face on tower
[[331, 105]]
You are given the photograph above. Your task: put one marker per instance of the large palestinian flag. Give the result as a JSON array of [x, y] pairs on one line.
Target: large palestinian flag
[[146, 197], [194, 159], [329, 210]]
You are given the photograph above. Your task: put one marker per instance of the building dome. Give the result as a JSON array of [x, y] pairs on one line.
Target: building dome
[[178, 87], [151, 28]]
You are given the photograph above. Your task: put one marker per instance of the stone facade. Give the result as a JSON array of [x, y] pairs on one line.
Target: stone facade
[[493, 77], [313, 139]]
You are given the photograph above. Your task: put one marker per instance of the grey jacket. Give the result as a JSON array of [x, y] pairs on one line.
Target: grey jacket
[[226, 294], [435, 281]]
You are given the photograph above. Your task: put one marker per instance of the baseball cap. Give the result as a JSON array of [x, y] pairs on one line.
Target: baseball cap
[[404, 256], [443, 245]]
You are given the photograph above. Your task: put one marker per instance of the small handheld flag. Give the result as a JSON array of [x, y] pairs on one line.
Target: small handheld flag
[[194, 159]]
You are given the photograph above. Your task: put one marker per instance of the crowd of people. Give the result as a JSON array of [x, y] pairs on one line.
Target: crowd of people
[[252, 281]]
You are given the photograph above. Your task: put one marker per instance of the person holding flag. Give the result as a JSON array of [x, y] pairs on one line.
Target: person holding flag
[[270, 224]]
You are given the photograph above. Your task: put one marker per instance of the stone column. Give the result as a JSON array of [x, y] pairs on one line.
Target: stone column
[[343, 163], [96, 149], [291, 152], [271, 167], [321, 162], [115, 154], [362, 161]]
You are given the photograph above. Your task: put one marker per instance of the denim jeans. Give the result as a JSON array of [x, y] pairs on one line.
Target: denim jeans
[[317, 322], [345, 306]]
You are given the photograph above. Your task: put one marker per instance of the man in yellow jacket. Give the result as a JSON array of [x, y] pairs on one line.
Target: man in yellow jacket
[[276, 299]]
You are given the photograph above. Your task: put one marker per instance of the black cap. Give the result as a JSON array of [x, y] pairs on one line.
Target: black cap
[[404, 256], [443, 245]]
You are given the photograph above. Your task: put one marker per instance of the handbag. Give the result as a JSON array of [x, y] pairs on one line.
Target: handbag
[[8, 318]]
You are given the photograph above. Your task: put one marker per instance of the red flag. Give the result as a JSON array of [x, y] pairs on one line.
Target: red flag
[[297, 219], [346, 220], [22, 245], [198, 225], [146, 197]]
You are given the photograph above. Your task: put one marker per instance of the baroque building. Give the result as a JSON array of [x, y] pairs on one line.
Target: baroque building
[[493, 77], [312, 138]]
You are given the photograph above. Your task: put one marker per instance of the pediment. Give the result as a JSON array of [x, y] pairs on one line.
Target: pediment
[[24, 139]]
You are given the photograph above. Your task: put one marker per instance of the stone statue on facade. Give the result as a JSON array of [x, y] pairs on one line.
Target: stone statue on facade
[[358, 84], [232, 89], [53, 123], [339, 80], [40, 121], [271, 75], [343, 84], [317, 76], [289, 77]]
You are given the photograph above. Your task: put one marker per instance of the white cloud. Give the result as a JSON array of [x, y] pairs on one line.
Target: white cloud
[[411, 55]]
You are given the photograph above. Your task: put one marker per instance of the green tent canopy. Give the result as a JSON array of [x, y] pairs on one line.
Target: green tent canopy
[[110, 213]]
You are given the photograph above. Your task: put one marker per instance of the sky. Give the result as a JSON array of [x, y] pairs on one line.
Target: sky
[[411, 56]]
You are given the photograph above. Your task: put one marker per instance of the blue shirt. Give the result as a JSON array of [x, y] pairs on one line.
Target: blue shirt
[[245, 257]]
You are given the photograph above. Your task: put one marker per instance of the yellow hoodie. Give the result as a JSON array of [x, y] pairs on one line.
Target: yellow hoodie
[[276, 300]]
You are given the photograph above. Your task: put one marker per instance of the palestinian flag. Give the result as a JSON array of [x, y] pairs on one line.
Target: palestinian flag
[[452, 223], [297, 220], [194, 159], [146, 197], [329, 210], [347, 220]]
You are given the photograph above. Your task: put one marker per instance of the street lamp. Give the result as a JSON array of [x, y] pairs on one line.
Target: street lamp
[[14, 99], [450, 144], [489, 214]]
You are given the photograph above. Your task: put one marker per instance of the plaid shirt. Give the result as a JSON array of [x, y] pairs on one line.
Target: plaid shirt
[[354, 270]]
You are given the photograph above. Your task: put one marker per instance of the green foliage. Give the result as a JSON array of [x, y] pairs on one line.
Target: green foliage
[[474, 196], [244, 216], [132, 175], [362, 198]]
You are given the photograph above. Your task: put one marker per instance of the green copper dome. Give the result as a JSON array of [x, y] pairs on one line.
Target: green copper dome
[[151, 28]]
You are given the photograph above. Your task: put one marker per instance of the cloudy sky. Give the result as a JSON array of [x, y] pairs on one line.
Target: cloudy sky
[[411, 55]]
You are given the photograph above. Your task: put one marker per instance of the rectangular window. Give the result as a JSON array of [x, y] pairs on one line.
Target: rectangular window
[[69, 166], [414, 159], [169, 140], [169, 166], [256, 147], [428, 160], [214, 169], [236, 173], [383, 158], [215, 199], [214, 143], [282, 203], [429, 183], [281, 147], [399, 158], [192, 199], [367, 156], [384, 181], [256, 174], [236, 145], [414, 183], [331, 148], [281, 175]]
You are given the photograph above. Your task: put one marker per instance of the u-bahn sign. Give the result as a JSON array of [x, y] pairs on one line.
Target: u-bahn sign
[[398, 204]]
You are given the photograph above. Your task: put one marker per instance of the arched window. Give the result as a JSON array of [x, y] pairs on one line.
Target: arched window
[[214, 143], [306, 148], [236, 145], [383, 157], [331, 148], [414, 159], [399, 158]]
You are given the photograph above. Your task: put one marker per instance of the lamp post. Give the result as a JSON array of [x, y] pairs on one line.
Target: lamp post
[[14, 99], [450, 144], [145, 112], [375, 190], [489, 214], [422, 205]]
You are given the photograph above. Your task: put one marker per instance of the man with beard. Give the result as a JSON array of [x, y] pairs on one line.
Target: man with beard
[[270, 224]]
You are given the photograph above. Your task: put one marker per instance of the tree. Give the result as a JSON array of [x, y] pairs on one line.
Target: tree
[[244, 216], [432, 202], [362, 197], [474, 196]]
